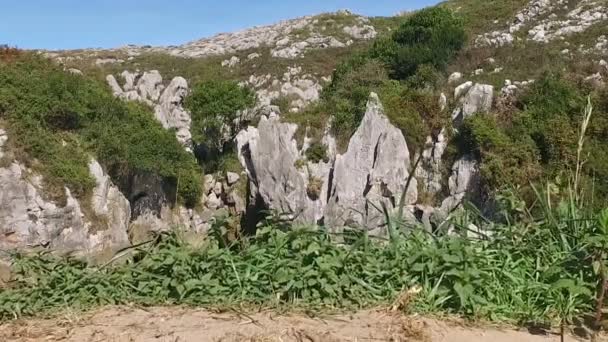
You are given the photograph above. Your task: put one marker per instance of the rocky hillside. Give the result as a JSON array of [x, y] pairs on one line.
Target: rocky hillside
[[350, 115]]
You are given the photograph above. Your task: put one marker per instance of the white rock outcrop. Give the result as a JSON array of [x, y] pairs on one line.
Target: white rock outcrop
[[299, 89], [546, 21], [374, 170], [269, 154], [28, 219], [166, 101], [478, 98], [286, 39]]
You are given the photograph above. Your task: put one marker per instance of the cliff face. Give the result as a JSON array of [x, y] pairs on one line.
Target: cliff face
[[30, 220]]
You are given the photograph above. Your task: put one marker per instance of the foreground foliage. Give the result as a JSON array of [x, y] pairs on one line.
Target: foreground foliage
[[541, 269]]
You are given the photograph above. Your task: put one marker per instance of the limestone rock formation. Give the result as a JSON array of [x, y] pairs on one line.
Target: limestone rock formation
[[463, 182], [298, 88], [167, 102], [548, 20], [429, 170], [286, 39], [374, 170], [110, 203], [170, 112], [28, 219], [269, 155]]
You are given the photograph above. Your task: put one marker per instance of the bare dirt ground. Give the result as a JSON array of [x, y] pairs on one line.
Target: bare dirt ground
[[190, 325]]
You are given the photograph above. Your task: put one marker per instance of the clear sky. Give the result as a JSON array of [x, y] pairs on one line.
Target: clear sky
[[70, 24]]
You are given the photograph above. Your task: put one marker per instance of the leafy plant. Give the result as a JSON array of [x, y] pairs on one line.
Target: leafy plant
[[430, 37], [215, 106], [317, 152], [57, 120]]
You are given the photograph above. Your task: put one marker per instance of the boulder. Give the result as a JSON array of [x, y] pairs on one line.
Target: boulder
[[232, 178], [455, 77], [478, 99], [208, 183]]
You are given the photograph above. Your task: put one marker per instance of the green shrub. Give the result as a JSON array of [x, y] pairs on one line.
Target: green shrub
[[416, 112], [128, 140], [542, 268], [347, 95], [541, 139], [317, 152], [57, 118], [214, 104], [417, 53], [505, 160], [429, 37]]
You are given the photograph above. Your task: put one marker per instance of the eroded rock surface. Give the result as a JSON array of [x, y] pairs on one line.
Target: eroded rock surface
[[29, 219], [548, 20], [374, 170], [166, 101], [269, 154], [476, 99]]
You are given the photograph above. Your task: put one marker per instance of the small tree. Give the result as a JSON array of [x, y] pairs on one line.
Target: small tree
[[215, 106]]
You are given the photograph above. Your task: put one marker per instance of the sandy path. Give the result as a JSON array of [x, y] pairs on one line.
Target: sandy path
[[188, 325]]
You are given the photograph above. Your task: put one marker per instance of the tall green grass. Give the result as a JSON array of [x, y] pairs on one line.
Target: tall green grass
[[544, 269]]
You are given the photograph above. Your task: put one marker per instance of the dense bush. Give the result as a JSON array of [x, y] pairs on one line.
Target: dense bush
[[413, 57], [347, 96], [57, 118], [317, 152], [430, 37], [539, 140], [506, 160], [416, 112], [215, 105]]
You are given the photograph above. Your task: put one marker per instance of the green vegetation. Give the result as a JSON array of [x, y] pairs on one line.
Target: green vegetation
[[540, 139], [430, 37], [317, 152], [56, 120], [404, 68], [215, 105], [479, 16], [542, 267], [216, 108]]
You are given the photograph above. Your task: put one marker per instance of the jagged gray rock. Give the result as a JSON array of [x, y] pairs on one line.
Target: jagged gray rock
[[429, 170], [269, 154], [170, 111], [374, 170], [110, 203], [29, 220]]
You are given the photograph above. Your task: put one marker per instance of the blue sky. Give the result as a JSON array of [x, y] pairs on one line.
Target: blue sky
[[70, 24]]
